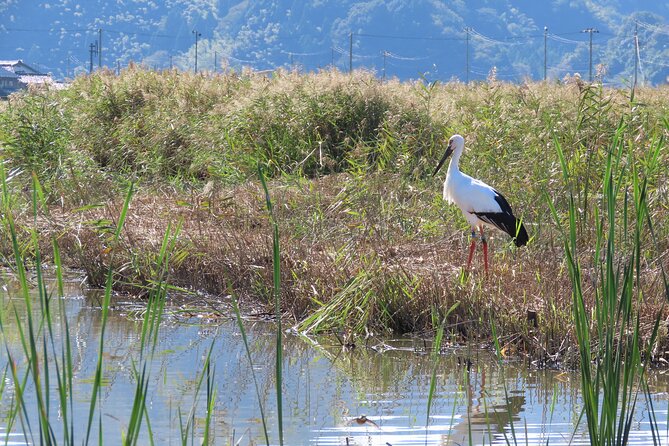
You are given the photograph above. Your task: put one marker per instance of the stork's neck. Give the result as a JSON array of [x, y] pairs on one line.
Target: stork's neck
[[455, 161]]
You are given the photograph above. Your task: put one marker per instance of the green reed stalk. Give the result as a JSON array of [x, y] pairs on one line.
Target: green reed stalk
[[149, 337], [552, 411], [138, 406], [276, 261], [38, 339], [64, 367], [158, 292], [40, 360], [436, 349], [619, 373], [39, 374], [189, 428], [211, 401], [97, 381]]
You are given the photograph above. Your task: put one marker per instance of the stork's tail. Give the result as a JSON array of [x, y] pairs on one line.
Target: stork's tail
[[506, 222], [520, 234]]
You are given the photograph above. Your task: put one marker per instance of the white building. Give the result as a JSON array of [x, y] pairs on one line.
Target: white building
[[16, 75]]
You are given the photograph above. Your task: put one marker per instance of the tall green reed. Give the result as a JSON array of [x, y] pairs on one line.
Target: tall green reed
[[149, 338], [97, 381], [242, 330], [276, 262], [46, 347], [612, 372], [436, 350], [35, 331], [276, 281], [187, 429]]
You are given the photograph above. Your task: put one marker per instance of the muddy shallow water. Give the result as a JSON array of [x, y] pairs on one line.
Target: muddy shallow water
[[326, 391]]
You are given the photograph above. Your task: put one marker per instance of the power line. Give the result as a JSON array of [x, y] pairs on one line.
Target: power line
[[396, 57], [655, 28], [469, 35], [488, 39], [388, 36], [497, 74], [557, 38], [545, 52], [379, 36], [636, 56], [653, 62], [292, 53], [99, 47], [339, 49]]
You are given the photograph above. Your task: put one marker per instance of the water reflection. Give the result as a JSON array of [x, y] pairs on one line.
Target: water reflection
[[329, 396]]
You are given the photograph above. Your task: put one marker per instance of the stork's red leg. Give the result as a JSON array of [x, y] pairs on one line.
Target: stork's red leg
[[472, 247], [485, 251]]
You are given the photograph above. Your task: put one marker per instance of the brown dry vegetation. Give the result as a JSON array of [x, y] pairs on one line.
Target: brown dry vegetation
[[367, 245]]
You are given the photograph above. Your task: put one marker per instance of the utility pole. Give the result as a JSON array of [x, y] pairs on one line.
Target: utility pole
[[197, 35], [118, 67], [350, 52], [99, 47], [93, 49], [545, 52], [467, 29], [590, 31], [215, 55], [636, 54], [385, 53]]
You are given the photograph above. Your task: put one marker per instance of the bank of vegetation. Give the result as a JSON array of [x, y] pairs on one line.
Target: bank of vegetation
[[367, 245]]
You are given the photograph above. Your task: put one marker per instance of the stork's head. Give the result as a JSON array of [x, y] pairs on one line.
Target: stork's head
[[455, 143]]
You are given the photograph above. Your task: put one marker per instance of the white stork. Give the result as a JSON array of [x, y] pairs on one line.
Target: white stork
[[481, 204]]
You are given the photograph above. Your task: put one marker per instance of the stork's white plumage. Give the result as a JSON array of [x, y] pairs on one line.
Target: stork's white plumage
[[481, 204]]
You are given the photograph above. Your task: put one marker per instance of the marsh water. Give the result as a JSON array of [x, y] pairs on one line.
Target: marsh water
[[373, 394]]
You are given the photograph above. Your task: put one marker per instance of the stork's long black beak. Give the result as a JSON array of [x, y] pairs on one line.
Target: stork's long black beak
[[449, 150]]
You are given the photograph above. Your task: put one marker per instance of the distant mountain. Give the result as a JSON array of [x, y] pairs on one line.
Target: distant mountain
[[402, 38]]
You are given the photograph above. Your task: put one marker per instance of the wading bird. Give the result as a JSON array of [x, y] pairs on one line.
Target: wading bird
[[480, 204]]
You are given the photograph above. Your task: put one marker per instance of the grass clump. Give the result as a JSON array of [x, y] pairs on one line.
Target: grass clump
[[622, 352], [42, 371]]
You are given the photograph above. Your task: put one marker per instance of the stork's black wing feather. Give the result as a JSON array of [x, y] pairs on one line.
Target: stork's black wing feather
[[503, 204], [505, 220]]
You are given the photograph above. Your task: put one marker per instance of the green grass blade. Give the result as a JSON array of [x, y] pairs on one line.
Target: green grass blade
[[276, 262], [97, 381]]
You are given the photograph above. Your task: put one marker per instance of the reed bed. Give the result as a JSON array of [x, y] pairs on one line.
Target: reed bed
[[367, 245], [46, 349]]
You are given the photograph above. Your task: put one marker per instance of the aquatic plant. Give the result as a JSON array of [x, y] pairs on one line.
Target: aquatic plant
[[613, 370], [46, 346]]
